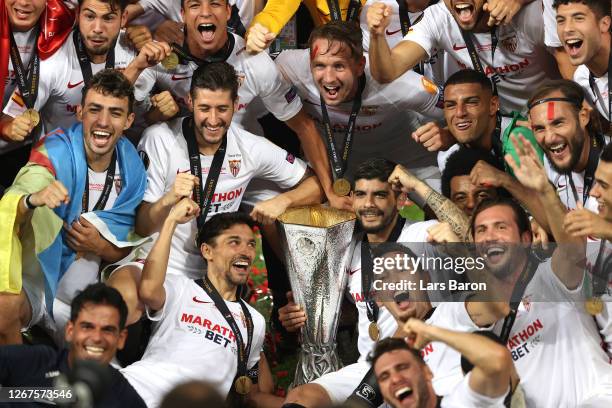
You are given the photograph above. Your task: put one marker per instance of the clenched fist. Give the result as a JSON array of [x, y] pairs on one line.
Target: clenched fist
[[378, 18], [18, 128], [183, 187], [138, 35], [52, 196], [165, 104], [258, 38]]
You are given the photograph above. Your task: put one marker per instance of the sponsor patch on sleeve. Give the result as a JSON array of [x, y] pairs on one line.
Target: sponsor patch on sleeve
[[429, 86], [291, 94], [290, 158]]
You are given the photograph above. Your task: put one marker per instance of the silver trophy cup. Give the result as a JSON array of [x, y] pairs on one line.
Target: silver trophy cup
[[318, 243]]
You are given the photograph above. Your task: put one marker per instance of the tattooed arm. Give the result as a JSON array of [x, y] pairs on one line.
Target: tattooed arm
[[446, 211]]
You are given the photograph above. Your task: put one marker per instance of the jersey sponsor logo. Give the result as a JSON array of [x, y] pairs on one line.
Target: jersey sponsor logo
[[366, 392], [213, 332], [427, 350], [234, 166], [180, 77], [342, 127], [523, 342], [71, 108], [290, 158], [510, 43], [392, 32], [291, 94], [71, 85], [359, 297], [242, 106], [195, 299], [429, 86]]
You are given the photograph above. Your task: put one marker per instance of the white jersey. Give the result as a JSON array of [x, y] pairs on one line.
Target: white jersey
[[564, 190], [26, 43], [386, 119], [247, 156], [554, 344], [61, 84], [191, 340], [171, 9], [520, 56], [551, 38], [464, 396], [258, 76], [438, 67], [412, 233], [600, 99]]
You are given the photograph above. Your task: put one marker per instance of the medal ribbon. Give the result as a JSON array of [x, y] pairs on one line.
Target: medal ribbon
[[339, 163], [27, 80], [595, 89], [221, 56], [84, 61], [204, 192], [108, 183], [352, 13]]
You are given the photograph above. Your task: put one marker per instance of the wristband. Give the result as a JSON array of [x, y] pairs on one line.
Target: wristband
[[27, 202]]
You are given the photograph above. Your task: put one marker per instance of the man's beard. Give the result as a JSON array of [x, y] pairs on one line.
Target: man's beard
[[575, 145], [384, 223]]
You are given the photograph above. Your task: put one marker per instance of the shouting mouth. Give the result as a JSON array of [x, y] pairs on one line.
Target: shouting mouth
[[465, 12], [207, 31], [573, 46], [101, 138]]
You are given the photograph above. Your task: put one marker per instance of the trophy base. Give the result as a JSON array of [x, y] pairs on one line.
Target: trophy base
[[314, 361]]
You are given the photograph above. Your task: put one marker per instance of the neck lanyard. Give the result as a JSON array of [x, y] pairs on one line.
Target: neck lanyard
[[108, 183], [469, 44], [220, 56], [589, 172], [595, 89], [243, 349], [27, 80], [405, 25], [339, 162], [204, 191], [84, 61], [600, 271], [352, 13], [372, 308], [517, 293]]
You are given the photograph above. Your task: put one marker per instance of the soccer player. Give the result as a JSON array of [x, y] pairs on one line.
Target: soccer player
[[76, 200], [202, 329], [584, 30], [224, 152], [334, 81], [512, 55], [95, 332]]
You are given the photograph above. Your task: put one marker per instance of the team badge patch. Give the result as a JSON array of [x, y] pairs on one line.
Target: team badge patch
[[369, 110], [366, 392], [241, 78], [290, 158], [429, 86], [509, 43], [234, 167], [118, 185]]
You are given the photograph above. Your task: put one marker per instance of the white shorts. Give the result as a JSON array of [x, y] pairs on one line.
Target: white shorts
[[340, 384], [33, 286]]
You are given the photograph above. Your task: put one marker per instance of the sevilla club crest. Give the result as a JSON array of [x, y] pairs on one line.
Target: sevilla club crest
[[234, 167], [510, 43]]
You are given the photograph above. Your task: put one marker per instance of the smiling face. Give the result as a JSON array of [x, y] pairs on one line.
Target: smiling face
[[232, 254], [212, 115], [24, 14], [375, 204], [335, 71], [497, 236], [95, 333], [466, 195], [602, 190], [99, 24], [403, 381], [466, 12], [581, 32], [470, 111], [560, 132], [206, 25], [105, 118]]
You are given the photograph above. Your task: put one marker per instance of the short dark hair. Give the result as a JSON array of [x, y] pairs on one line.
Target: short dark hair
[[470, 76], [606, 154], [110, 82], [520, 215], [193, 394], [215, 76], [461, 163], [375, 168], [345, 32], [219, 223], [99, 294], [115, 5], [601, 8], [183, 3], [389, 344]]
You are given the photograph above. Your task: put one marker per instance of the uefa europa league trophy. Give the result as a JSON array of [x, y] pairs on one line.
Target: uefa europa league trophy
[[318, 243]]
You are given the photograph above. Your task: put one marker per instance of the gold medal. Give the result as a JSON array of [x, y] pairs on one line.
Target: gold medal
[[171, 61], [373, 331], [34, 116], [341, 187], [593, 306], [243, 385]]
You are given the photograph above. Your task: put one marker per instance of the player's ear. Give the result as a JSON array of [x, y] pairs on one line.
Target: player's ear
[[494, 105], [129, 121], [79, 112], [190, 102], [206, 251], [124, 18], [236, 103]]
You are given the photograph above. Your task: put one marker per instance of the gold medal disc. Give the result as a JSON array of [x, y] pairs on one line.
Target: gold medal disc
[[171, 61], [243, 385], [593, 306], [373, 331], [34, 116], [341, 187]]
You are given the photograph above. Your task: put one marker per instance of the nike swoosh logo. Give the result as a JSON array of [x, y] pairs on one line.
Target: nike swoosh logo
[[178, 78], [457, 48], [352, 272], [393, 32], [195, 299], [70, 86]]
